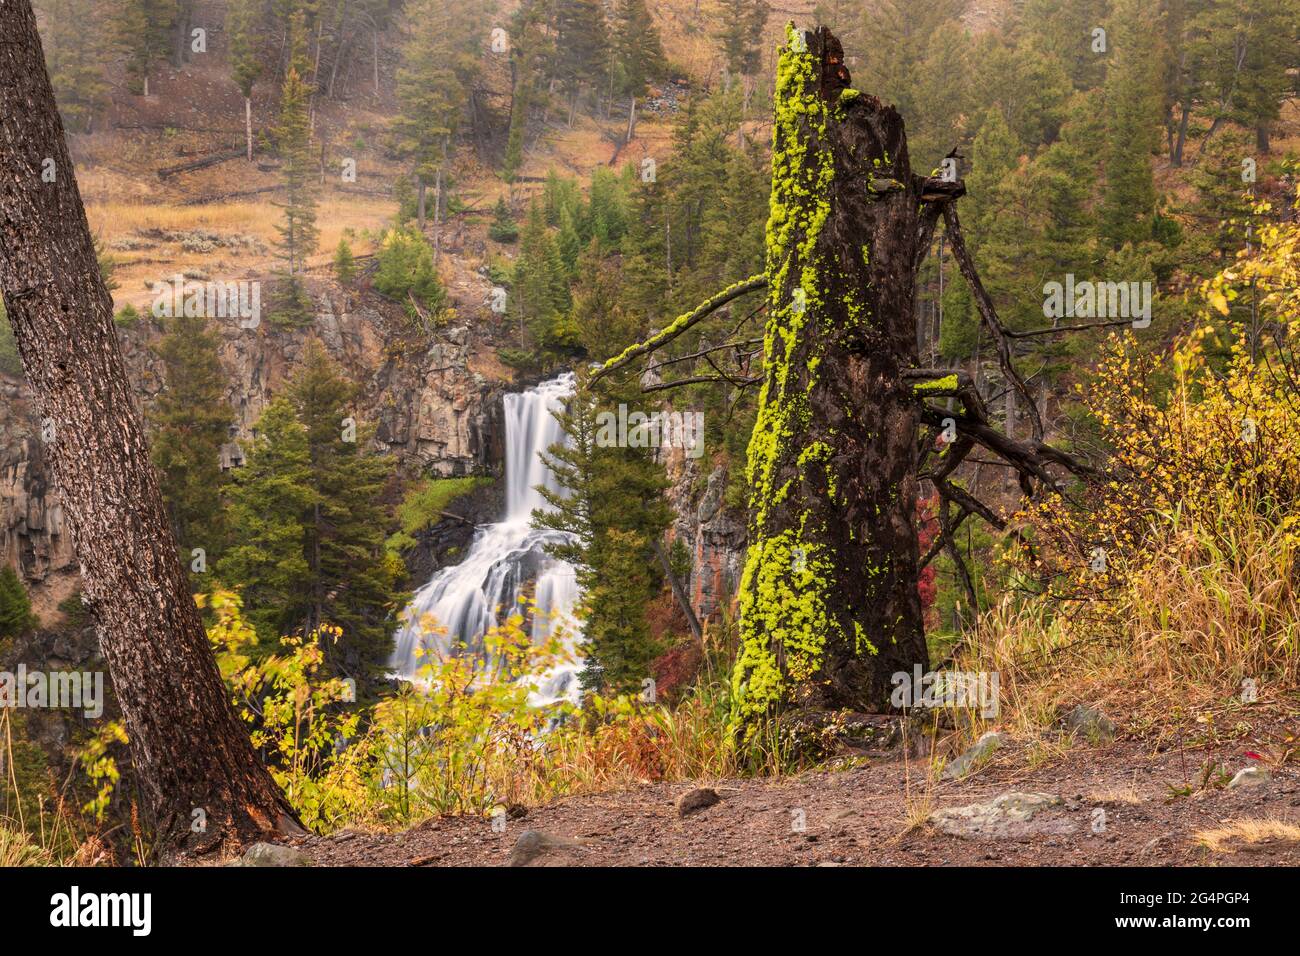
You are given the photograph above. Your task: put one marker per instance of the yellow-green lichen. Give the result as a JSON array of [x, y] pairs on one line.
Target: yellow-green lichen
[[945, 384]]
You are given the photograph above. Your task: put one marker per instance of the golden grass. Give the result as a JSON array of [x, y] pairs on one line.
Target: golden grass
[[137, 270], [1217, 603], [1247, 832]]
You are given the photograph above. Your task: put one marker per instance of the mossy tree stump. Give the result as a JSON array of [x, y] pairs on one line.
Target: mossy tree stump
[[829, 607]]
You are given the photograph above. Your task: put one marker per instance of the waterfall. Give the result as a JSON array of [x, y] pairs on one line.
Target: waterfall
[[475, 595]]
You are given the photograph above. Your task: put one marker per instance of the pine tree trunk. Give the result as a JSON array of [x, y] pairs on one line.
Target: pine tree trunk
[[248, 125], [828, 598], [191, 755]]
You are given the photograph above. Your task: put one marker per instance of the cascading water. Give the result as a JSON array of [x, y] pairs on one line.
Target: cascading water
[[470, 598]]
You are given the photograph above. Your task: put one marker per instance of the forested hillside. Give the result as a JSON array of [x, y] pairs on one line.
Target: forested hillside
[[508, 420]]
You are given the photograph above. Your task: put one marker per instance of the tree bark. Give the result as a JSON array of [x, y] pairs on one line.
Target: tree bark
[[203, 785], [828, 598]]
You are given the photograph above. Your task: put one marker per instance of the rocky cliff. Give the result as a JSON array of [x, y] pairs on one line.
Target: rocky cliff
[[435, 402]]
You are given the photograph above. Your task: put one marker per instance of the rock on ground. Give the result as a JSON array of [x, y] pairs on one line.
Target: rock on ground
[[273, 854], [978, 752], [1250, 777], [1090, 723], [694, 800], [532, 845], [1007, 816]]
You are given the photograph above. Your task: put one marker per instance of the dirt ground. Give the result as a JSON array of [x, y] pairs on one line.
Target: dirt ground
[[1122, 804]]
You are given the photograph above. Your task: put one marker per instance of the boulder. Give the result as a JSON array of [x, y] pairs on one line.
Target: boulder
[[1004, 817], [976, 755]]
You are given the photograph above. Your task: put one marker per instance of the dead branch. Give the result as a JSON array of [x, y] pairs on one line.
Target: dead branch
[[682, 323], [989, 314]]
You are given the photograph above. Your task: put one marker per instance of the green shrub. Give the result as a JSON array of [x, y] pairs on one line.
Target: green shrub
[[424, 504]]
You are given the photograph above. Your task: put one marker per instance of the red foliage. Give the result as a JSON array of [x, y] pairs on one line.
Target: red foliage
[[927, 529], [675, 669]]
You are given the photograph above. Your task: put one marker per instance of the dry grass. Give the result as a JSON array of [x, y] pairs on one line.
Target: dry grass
[[18, 849], [1216, 604], [1248, 833], [138, 269]]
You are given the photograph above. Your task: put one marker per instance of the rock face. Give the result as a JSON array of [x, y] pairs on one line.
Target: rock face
[[33, 536], [713, 534], [431, 410]]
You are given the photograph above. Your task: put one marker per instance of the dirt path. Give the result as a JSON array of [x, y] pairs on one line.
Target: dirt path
[[861, 817]]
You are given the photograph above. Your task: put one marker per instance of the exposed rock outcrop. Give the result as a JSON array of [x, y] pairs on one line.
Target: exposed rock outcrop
[[432, 411]]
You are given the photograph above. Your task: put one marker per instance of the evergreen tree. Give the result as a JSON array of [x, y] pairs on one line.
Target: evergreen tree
[[740, 31], [345, 265], [581, 47], [406, 271], [353, 581], [540, 297], [638, 54], [191, 421], [612, 545], [1065, 32], [439, 61], [76, 57], [503, 227], [309, 528], [604, 327], [1132, 104], [1222, 203], [269, 499], [606, 208], [146, 28], [530, 55], [15, 607], [297, 228]]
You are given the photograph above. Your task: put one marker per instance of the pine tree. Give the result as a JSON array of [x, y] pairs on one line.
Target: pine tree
[[309, 529], [581, 47], [1132, 103], [76, 57], [297, 228], [15, 607], [638, 54], [269, 499], [530, 54], [345, 265], [438, 66], [503, 227], [740, 31], [146, 27], [540, 295], [611, 545], [353, 581], [604, 326], [191, 421]]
